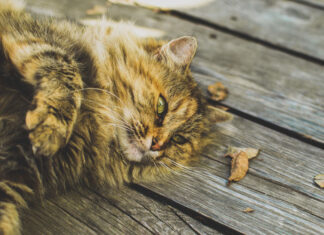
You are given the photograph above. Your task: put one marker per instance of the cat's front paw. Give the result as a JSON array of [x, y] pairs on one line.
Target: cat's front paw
[[48, 132], [9, 221]]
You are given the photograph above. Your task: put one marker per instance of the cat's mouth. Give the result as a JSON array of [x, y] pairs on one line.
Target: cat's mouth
[[135, 152]]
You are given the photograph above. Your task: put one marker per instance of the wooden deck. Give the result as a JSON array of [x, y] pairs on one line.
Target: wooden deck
[[270, 55]]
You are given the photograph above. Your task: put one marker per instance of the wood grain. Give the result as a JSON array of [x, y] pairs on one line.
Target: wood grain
[[286, 24], [108, 211]]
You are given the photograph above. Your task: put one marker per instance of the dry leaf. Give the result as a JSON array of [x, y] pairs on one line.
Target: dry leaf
[[97, 10], [222, 107], [319, 180], [240, 161], [125, 2], [217, 91], [248, 210], [240, 165], [251, 152], [218, 115]]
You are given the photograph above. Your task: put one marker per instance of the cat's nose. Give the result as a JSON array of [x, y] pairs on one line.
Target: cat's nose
[[155, 144]]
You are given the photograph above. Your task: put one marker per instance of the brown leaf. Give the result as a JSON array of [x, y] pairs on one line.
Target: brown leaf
[[233, 151], [319, 180], [240, 165], [222, 107], [217, 91], [248, 210], [97, 10], [218, 115]]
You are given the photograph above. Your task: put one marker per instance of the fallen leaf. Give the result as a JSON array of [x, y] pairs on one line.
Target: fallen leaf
[[97, 10], [125, 2], [251, 152], [248, 210], [217, 91], [240, 161], [218, 115], [222, 107], [240, 165], [319, 180]]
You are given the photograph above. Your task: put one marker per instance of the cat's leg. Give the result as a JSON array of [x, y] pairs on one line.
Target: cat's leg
[[11, 199], [57, 82]]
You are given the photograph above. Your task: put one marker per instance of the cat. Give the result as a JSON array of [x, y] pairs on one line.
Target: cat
[[91, 106]]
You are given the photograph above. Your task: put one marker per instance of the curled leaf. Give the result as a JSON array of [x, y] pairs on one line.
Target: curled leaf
[[319, 180], [240, 165], [217, 91], [251, 152], [218, 115], [222, 107], [248, 210], [97, 10]]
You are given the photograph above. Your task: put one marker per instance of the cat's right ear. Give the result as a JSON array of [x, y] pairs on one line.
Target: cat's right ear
[[178, 52]]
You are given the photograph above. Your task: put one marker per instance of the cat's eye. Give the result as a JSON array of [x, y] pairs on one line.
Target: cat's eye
[[161, 106], [179, 139]]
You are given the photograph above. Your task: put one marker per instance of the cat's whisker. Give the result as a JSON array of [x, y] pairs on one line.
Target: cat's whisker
[[179, 165], [157, 168], [119, 126], [109, 93], [169, 168], [101, 105], [102, 90], [109, 108], [110, 115], [190, 169]]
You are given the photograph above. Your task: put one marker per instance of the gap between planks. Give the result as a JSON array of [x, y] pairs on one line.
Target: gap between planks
[[311, 3], [205, 220], [306, 139], [241, 35]]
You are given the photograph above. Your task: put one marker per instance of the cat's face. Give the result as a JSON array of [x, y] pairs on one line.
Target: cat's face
[[162, 107]]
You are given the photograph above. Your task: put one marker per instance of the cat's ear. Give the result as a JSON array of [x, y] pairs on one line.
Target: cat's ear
[[218, 115], [179, 51]]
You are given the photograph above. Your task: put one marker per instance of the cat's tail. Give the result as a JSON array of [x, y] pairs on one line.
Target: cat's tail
[[12, 5]]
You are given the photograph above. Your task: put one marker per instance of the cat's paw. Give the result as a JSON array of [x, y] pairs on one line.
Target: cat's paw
[[9, 221], [48, 133]]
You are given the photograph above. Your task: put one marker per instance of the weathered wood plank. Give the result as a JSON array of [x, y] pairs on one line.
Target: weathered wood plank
[[156, 217], [51, 219], [278, 187], [283, 23], [109, 211]]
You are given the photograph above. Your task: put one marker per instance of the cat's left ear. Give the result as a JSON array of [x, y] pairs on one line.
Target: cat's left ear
[[179, 51]]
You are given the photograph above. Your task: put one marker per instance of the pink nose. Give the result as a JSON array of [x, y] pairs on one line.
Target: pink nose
[[155, 147], [155, 144]]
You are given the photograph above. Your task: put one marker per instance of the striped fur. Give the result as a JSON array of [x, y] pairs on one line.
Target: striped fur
[[78, 106]]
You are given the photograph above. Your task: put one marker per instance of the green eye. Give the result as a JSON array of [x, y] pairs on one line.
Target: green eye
[[161, 106], [179, 139]]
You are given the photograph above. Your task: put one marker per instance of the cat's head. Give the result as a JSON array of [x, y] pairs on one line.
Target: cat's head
[[162, 110]]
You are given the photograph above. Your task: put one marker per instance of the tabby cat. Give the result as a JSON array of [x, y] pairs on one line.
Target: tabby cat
[[90, 106]]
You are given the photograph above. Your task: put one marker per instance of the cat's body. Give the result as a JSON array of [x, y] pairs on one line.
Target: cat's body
[[89, 106]]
